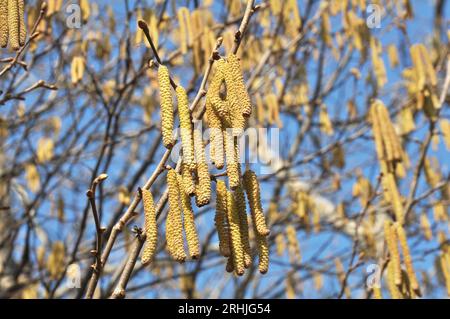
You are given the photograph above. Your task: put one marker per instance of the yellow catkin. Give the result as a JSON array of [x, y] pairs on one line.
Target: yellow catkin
[[280, 244], [216, 136], [13, 24], [390, 236], [22, 28], [232, 157], [185, 127], [425, 226], [203, 188], [235, 235], [213, 95], [263, 251], [221, 220], [407, 258], [377, 293], [444, 260], [189, 222], [188, 181], [239, 198], [341, 276], [166, 106], [392, 195], [3, 23], [238, 85], [238, 121], [253, 191], [174, 223], [392, 287], [56, 260], [151, 231], [293, 245]]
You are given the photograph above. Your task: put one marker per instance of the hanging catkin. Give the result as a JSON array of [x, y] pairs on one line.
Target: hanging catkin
[[238, 84], [233, 165], [185, 128], [239, 198], [263, 251], [13, 24], [174, 223], [151, 231], [216, 136], [220, 105], [3, 23], [166, 106], [203, 188], [293, 245], [253, 191], [221, 219], [390, 235], [235, 234], [407, 258], [188, 181], [238, 121], [189, 222], [22, 30], [393, 289]]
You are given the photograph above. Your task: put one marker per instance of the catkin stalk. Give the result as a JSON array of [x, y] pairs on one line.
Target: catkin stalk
[[221, 219], [407, 258], [253, 191], [185, 128], [235, 234], [166, 106], [239, 198], [3, 23], [13, 24], [174, 223], [151, 231], [189, 223]]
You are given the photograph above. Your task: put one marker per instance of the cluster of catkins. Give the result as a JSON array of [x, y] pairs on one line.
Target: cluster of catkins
[[227, 117], [12, 24]]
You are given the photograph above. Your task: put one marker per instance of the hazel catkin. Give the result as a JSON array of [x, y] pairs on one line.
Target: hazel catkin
[[3, 23], [221, 219], [151, 231], [174, 224], [407, 258], [13, 24], [216, 136], [238, 121], [235, 235], [166, 106], [239, 198], [232, 158], [189, 223], [22, 30], [188, 180], [185, 127], [238, 84], [253, 191], [390, 236], [203, 188]]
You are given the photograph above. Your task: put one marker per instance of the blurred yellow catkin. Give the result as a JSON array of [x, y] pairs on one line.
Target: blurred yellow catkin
[[3, 23], [239, 198]]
